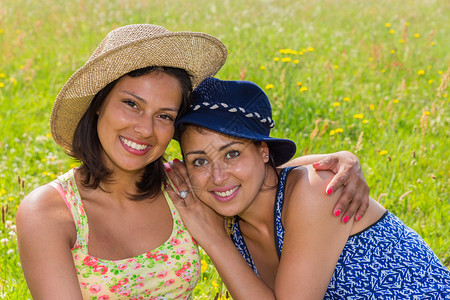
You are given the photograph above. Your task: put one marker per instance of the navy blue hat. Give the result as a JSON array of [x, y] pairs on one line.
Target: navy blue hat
[[236, 108]]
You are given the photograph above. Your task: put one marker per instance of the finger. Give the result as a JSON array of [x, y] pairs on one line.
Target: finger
[[337, 181], [343, 202], [364, 205], [351, 209], [327, 163]]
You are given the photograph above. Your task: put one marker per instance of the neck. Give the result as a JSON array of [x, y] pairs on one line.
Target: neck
[[258, 217]]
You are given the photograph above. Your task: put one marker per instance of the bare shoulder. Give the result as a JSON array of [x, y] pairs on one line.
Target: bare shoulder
[[44, 209], [305, 192]]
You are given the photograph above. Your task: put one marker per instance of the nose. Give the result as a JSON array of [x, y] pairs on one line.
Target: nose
[[219, 172], [144, 126]]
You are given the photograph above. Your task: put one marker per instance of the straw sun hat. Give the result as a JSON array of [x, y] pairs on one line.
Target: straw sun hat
[[126, 49]]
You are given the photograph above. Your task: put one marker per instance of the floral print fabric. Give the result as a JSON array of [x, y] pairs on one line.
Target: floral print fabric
[[170, 271]]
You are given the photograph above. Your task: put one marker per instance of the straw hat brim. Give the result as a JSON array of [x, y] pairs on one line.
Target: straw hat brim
[[200, 54]]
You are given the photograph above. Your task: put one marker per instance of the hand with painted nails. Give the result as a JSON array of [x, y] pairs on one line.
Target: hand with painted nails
[[354, 199]]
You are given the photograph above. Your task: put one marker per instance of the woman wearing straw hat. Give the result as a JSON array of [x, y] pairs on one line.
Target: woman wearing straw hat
[[108, 229], [285, 244]]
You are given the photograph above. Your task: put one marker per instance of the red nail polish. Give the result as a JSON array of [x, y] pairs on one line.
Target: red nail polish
[[358, 218], [176, 159], [345, 219], [337, 212], [315, 165], [329, 191]]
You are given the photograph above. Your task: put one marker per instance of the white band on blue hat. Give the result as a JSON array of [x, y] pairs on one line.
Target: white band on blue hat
[[253, 115]]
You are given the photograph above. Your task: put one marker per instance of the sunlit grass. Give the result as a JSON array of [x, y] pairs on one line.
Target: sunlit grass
[[366, 76]]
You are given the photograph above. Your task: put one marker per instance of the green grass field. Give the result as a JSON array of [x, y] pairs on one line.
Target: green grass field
[[366, 76]]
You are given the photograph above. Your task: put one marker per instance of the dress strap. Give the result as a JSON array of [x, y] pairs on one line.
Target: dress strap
[[279, 201], [239, 242], [67, 188]]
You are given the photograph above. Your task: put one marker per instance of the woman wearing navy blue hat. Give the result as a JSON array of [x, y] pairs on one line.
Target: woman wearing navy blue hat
[[285, 244]]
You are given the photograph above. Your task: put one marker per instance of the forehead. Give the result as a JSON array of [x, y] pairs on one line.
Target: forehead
[[200, 136]]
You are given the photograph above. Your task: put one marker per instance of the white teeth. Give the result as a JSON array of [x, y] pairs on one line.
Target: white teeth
[[133, 144], [227, 193]]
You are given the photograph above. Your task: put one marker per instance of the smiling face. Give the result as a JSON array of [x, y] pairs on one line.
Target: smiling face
[[136, 120], [226, 173]]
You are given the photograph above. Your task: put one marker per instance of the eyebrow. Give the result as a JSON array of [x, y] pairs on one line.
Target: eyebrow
[[220, 148], [145, 101]]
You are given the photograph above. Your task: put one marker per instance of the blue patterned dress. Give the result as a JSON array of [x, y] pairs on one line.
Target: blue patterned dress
[[387, 260]]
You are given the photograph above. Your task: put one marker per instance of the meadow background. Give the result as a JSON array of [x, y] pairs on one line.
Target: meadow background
[[370, 77]]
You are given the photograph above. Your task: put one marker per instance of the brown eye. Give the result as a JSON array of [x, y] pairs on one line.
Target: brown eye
[[232, 154]]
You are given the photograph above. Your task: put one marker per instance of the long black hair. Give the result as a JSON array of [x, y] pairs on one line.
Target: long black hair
[[88, 149]]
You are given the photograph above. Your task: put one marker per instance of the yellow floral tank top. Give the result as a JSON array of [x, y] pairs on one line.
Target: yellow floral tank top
[[170, 271]]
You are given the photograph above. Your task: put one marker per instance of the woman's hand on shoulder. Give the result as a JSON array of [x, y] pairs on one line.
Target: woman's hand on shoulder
[[354, 199], [45, 234]]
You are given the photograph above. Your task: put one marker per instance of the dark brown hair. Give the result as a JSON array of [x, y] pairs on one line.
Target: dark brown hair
[[87, 147]]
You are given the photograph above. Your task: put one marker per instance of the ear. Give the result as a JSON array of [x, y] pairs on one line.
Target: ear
[[264, 150]]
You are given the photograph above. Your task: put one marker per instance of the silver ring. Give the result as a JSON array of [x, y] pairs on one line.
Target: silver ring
[[183, 194]]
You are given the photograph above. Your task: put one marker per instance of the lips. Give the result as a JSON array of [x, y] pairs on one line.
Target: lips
[[134, 147], [225, 195]]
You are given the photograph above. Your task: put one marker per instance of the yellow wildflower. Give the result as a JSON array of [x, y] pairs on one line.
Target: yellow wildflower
[[310, 49], [2, 31], [214, 284], [269, 86], [395, 101], [426, 113], [13, 80], [48, 134], [401, 41], [300, 52], [11, 199], [332, 132], [445, 95], [392, 31], [407, 24], [358, 116], [296, 61], [382, 152], [430, 81], [73, 165], [392, 51], [2, 75], [335, 66], [339, 130], [372, 107], [421, 72], [262, 68], [18, 31], [387, 25], [303, 89], [286, 59], [335, 104], [383, 70], [3, 191], [346, 99], [299, 83], [440, 72], [276, 59], [43, 160], [432, 44], [365, 121], [370, 58], [204, 266], [2, 84], [52, 176], [417, 35]]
